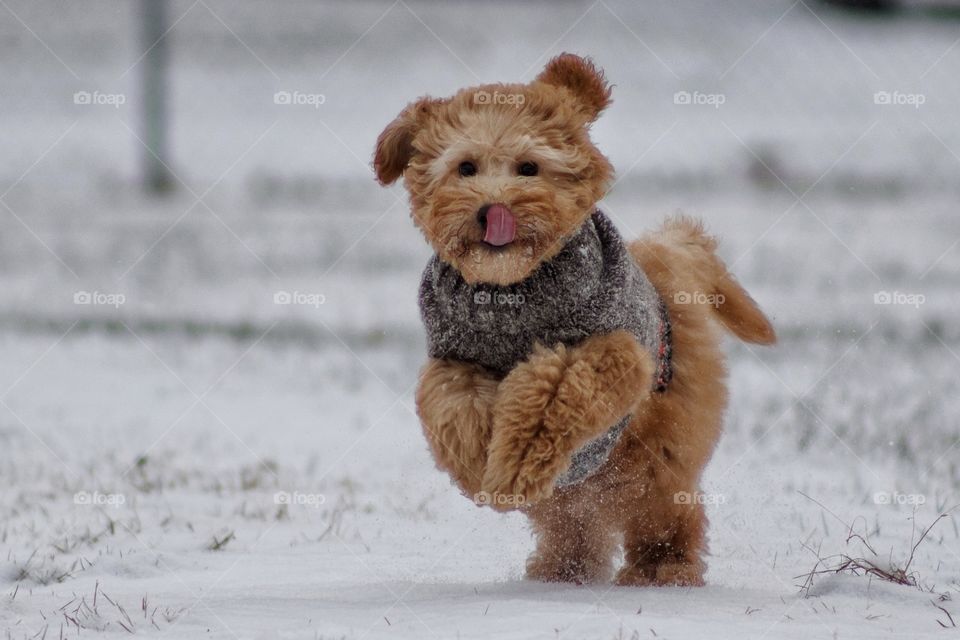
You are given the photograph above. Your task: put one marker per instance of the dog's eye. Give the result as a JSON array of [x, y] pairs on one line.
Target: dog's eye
[[467, 169], [528, 169]]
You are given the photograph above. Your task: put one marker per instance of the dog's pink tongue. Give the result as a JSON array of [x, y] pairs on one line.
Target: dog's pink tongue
[[501, 226]]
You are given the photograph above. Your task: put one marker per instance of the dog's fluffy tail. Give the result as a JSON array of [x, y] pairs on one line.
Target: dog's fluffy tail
[[681, 261]]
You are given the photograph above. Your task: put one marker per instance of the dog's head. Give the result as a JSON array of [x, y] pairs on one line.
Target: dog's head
[[501, 175]]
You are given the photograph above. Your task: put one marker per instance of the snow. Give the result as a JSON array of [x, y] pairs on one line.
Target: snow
[[143, 445], [392, 551]]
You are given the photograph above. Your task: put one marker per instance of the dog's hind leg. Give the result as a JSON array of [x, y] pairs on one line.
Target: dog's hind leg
[[572, 545], [665, 543], [455, 405]]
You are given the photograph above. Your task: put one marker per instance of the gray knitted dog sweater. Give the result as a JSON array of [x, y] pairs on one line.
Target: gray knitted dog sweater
[[592, 286]]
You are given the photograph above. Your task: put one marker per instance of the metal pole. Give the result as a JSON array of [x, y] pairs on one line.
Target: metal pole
[[157, 177]]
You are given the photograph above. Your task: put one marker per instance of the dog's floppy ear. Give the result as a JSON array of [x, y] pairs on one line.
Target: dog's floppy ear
[[580, 77], [395, 143]]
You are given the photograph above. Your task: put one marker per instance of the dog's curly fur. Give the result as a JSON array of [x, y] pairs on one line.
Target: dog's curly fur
[[512, 437]]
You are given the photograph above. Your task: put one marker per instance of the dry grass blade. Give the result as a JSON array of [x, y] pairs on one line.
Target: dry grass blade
[[860, 566], [218, 544], [949, 617]]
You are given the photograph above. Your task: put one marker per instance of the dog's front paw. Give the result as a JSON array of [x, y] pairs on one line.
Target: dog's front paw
[[455, 405], [505, 489], [522, 459], [554, 403], [615, 371]]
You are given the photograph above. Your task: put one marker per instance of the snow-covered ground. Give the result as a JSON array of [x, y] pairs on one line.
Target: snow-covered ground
[[183, 457], [196, 437]]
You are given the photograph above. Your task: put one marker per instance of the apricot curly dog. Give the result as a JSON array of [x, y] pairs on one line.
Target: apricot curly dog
[[573, 376]]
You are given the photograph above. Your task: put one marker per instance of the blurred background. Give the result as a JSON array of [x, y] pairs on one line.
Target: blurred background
[[822, 141], [202, 286]]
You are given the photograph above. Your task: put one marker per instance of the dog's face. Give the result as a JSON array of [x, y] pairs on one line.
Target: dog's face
[[500, 176]]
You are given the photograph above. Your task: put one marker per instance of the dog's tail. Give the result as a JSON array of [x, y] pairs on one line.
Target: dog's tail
[[681, 261]]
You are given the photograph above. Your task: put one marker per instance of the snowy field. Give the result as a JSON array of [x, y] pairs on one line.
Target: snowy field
[[185, 458]]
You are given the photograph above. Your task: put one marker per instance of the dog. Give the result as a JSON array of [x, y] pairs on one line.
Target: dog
[[572, 375]]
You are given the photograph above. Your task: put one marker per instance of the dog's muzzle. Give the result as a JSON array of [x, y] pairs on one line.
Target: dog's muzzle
[[498, 223]]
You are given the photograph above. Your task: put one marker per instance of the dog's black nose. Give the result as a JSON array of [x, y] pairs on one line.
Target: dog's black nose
[[482, 215]]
